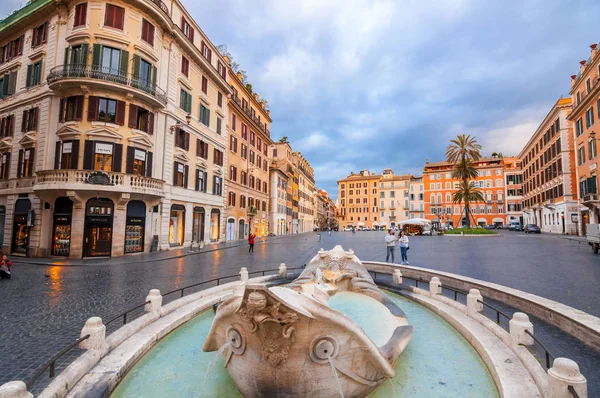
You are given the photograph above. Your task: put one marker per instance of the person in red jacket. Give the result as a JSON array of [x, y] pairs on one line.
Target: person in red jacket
[[5, 265], [251, 243]]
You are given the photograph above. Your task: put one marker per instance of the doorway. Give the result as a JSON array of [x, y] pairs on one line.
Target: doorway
[[98, 228], [198, 228], [20, 238], [230, 229], [241, 229]]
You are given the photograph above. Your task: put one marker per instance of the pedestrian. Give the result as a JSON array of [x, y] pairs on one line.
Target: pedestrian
[[251, 243], [404, 248], [390, 243], [5, 265]]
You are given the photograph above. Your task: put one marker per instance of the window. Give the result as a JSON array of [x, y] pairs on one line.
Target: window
[[5, 166], [180, 175], [217, 185], [7, 126], [233, 173], [233, 122], [206, 52], [204, 115], [185, 66], [244, 151], [581, 155], [219, 121], [182, 139], [252, 136], [185, 101], [148, 32], [592, 148], [201, 180], [71, 108], [141, 119], [144, 74], [12, 49], [231, 201], [114, 16], [139, 162], [80, 15], [218, 157], [244, 131], [251, 156], [39, 35], [204, 85], [233, 143], [110, 61], [30, 119], [222, 70], [265, 189], [578, 127], [76, 55], [219, 99], [588, 85], [201, 148], [66, 155], [589, 117], [188, 31], [244, 178], [34, 74], [106, 110], [8, 84], [103, 156], [258, 144]]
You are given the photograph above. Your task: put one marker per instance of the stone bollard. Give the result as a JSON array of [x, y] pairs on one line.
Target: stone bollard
[[517, 327], [473, 304], [155, 301], [201, 245], [97, 331], [14, 389], [397, 277], [244, 275], [435, 287], [564, 373], [282, 270]]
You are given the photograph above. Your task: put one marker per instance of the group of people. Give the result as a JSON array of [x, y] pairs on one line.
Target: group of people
[[390, 242], [5, 265]]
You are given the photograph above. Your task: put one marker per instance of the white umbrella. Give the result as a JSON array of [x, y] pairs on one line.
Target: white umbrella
[[414, 221]]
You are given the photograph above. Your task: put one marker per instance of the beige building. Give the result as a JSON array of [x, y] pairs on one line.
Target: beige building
[[247, 183], [394, 200], [358, 200], [113, 134], [416, 196], [282, 177], [306, 185]]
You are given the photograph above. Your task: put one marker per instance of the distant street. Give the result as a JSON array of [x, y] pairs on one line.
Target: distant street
[[44, 307]]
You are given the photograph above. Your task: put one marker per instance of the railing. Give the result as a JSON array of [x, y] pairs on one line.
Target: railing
[[255, 119], [78, 71], [590, 197], [137, 183], [548, 355], [498, 312], [163, 7], [52, 362]]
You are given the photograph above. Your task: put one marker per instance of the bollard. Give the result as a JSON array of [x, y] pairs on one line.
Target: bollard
[[282, 270], [244, 275], [201, 245], [564, 373], [473, 305], [397, 277], [155, 301], [14, 389], [517, 327], [435, 287], [97, 331]]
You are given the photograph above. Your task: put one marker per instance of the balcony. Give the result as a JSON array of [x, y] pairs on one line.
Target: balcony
[[65, 77], [392, 206], [248, 113], [590, 198], [97, 181]]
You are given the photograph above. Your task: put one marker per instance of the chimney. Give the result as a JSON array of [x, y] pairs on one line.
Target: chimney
[[255, 96], [573, 79], [594, 50], [582, 67]]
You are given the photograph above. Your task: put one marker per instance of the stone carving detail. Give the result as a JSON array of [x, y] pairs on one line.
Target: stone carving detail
[[335, 260], [273, 327], [99, 178]]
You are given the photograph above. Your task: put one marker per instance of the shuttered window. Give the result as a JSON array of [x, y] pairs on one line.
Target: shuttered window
[[110, 61], [204, 85], [185, 66], [7, 125], [106, 110], [218, 157], [188, 31], [201, 148], [141, 119], [66, 155], [204, 115], [30, 120], [180, 174], [12, 49], [8, 84], [71, 109], [25, 165], [39, 35], [185, 101], [201, 180], [80, 14], [144, 74], [139, 162], [182, 139], [217, 185], [34, 74], [103, 156], [206, 52], [5, 166], [114, 16], [147, 32], [222, 70]]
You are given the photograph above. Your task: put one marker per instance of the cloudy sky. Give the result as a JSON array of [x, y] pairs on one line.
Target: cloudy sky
[[370, 84]]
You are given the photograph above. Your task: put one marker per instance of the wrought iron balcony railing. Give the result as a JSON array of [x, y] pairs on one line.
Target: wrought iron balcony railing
[[78, 71]]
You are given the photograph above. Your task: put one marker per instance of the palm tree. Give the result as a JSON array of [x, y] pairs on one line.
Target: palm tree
[[467, 193], [463, 151]]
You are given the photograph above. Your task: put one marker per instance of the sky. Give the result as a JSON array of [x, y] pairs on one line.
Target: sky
[[374, 84]]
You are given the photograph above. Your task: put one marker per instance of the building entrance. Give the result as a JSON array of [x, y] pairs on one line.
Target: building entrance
[[98, 229]]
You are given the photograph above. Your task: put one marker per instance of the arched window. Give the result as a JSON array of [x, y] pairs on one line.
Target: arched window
[[448, 198], [439, 198]]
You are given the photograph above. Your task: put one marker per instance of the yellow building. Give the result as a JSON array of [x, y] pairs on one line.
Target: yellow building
[[358, 196], [394, 199], [248, 162], [113, 136]]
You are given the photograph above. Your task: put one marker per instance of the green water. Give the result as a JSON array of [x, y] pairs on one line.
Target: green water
[[438, 361]]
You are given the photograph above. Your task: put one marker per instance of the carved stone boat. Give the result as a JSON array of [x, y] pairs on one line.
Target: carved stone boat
[[287, 341]]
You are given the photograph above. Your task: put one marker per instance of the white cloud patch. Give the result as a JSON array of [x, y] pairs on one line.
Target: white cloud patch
[[315, 141]]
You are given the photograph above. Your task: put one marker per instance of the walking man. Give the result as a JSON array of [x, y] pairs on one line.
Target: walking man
[[251, 243], [390, 243]]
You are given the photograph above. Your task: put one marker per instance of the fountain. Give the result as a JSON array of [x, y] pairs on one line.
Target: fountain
[[287, 341]]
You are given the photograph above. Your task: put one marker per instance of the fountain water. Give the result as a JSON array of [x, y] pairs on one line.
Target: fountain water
[[216, 359]]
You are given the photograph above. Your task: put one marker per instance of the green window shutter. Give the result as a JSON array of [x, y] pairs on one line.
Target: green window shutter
[[29, 80], [83, 54], [38, 73], [124, 62], [181, 99], [207, 117], [136, 67], [97, 56], [154, 71], [67, 55]]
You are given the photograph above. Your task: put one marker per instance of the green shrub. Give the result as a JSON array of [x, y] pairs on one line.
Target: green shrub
[[471, 231]]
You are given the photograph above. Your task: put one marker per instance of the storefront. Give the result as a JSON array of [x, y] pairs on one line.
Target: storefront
[[61, 227], [177, 225], [215, 221], [230, 229], [22, 221], [135, 227], [198, 230], [98, 228]]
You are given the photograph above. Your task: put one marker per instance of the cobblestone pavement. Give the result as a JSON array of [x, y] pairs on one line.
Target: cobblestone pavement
[[43, 308]]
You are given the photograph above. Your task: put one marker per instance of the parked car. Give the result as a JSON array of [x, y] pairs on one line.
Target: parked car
[[530, 228], [347, 229], [518, 227], [490, 227], [513, 226]]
